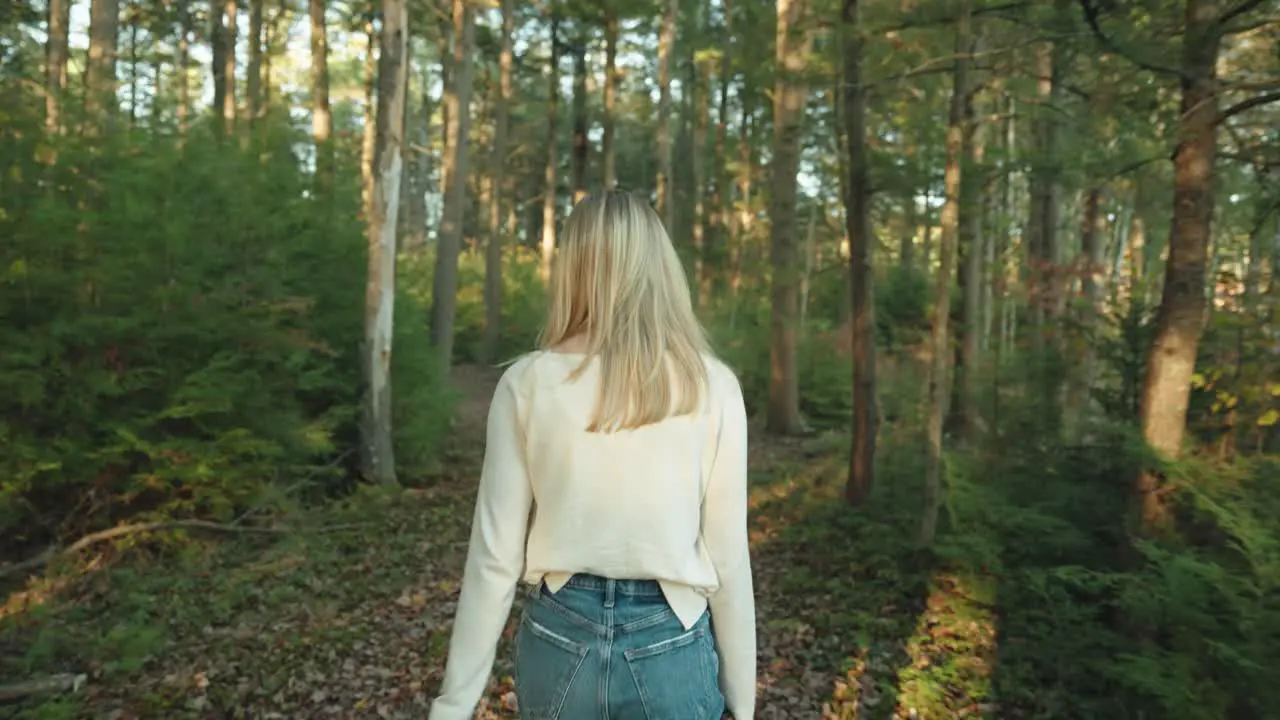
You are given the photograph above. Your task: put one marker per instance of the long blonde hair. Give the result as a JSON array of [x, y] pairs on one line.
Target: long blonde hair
[[618, 283]]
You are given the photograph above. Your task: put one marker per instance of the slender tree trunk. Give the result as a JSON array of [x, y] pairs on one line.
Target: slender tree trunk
[[549, 171], [806, 276], [458, 99], [321, 117], [419, 167], [862, 299], [100, 68], [132, 15], [56, 63], [723, 200], [700, 87], [253, 81], [939, 347], [970, 270], [740, 233], [579, 168], [369, 127], [790, 91], [229, 37], [610, 95], [1180, 319], [497, 162], [1091, 233], [666, 45], [180, 63], [377, 458]]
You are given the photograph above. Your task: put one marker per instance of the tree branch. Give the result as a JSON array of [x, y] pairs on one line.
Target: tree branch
[[1091, 18], [1241, 8], [1249, 104]]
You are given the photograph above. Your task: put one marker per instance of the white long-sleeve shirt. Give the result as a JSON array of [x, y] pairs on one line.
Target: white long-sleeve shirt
[[666, 502]]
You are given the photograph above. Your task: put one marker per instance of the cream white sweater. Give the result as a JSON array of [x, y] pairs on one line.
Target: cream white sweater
[[666, 502]]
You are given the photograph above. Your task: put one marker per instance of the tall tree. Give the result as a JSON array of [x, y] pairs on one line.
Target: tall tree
[[857, 202], [666, 45], [369, 126], [939, 346], [253, 75], [56, 62], [610, 93], [549, 171], [183, 8], [579, 147], [229, 36], [789, 94], [458, 99], [497, 163], [377, 456], [321, 116], [100, 69]]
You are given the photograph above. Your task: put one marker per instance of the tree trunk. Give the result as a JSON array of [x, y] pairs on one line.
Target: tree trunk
[[497, 162], [377, 459], [183, 8], [369, 127], [1091, 232], [939, 393], [100, 68], [253, 81], [56, 63], [1180, 319], [806, 275], [723, 197], [321, 117], [700, 87], [970, 271], [549, 172], [666, 45], [783, 417], [458, 99], [229, 36], [740, 233], [132, 15], [579, 168], [610, 94], [861, 298]]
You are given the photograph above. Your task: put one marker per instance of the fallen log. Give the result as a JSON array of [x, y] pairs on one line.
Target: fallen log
[[53, 684]]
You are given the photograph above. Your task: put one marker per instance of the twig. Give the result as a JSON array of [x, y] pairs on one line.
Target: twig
[[52, 684]]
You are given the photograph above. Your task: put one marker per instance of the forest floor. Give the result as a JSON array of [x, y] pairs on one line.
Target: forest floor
[[348, 615]]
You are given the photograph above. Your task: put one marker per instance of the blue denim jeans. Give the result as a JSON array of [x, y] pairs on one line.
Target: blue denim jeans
[[603, 649]]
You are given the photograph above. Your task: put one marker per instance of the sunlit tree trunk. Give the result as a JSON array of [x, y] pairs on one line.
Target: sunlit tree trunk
[[701, 273], [369, 127], [579, 147], [790, 91], [253, 79], [229, 36], [321, 117], [100, 67], [183, 8], [549, 171], [56, 63], [377, 457], [1179, 321], [610, 95], [458, 99], [497, 163], [666, 45], [723, 198], [939, 348], [970, 247], [740, 233]]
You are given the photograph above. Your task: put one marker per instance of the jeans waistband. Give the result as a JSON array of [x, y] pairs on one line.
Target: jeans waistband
[[595, 583]]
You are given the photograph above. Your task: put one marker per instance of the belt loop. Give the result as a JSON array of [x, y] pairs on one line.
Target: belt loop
[[610, 589]]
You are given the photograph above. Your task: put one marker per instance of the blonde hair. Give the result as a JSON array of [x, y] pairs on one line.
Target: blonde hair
[[618, 282]]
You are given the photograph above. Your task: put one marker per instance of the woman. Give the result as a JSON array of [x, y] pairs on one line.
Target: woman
[[614, 485]]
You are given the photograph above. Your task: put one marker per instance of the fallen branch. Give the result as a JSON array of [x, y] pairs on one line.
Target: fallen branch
[[91, 539], [52, 684]]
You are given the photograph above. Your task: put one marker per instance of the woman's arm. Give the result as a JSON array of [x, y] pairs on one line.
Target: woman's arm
[[724, 530], [495, 559]]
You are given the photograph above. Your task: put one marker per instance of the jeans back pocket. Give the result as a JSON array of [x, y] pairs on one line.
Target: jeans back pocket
[[546, 664], [677, 678]]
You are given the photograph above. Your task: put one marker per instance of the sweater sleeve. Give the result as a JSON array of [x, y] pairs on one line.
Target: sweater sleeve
[[495, 560], [724, 528]]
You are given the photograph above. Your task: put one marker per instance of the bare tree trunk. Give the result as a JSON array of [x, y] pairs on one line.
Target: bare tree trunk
[[56, 63], [790, 91], [549, 172], [229, 36], [806, 275], [610, 95], [131, 14], [100, 69], [723, 199], [939, 347], [497, 162], [377, 457], [458, 99], [253, 81], [666, 45], [700, 87], [1180, 319], [857, 201], [321, 117], [579, 168], [369, 126], [970, 271], [180, 63], [740, 232]]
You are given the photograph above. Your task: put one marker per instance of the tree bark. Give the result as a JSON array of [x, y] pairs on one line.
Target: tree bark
[[321, 116], [56, 63], [549, 171], [790, 91], [700, 87], [458, 100], [377, 457], [1180, 319], [253, 81], [369, 127], [666, 45], [857, 201], [497, 162], [939, 392], [100, 68], [229, 37], [970, 240], [183, 9], [580, 148], [610, 95]]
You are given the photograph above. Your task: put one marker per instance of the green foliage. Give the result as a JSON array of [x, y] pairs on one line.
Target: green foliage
[[182, 330]]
